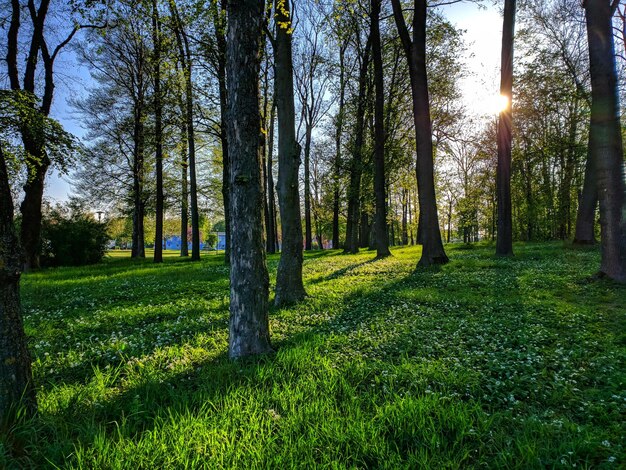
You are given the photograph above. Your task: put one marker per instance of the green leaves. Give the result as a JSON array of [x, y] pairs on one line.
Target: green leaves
[[20, 114]]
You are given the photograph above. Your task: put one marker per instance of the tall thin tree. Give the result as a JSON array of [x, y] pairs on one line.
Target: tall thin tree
[[504, 240], [429, 233], [382, 237], [158, 131], [289, 285]]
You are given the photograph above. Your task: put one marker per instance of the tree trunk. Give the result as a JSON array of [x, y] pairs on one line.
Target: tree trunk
[[382, 240], [356, 167], [249, 280], [338, 135], [184, 52], [605, 139], [587, 203], [404, 229], [138, 249], [264, 119], [504, 241], [289, 286], [364, 230], [16, 387], [184, 206], [308, 236], [219, 23], [158, 133], [30, 229], [429, 233], [272, 242]]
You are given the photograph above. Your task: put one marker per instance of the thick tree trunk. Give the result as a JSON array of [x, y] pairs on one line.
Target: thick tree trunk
[[158, 133], [308, 236], [16, 387], [289, 285], [356, 166], [605, 139], [504, 241], [249, 280], [382, 240]]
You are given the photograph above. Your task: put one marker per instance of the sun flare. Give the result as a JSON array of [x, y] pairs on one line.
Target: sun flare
[[499, 103]]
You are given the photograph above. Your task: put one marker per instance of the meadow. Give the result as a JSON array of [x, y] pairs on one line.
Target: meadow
[[482, 363]]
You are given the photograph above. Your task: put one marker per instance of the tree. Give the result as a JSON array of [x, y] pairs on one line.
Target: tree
[[185, 58], [504, 240], [415, 52], [37, 159], [116, 114], [16, 380], [289, 285], [312, 80], [605, 138], [382, 240], [249, 281], [158, 131], [356, 164], [15, 362]]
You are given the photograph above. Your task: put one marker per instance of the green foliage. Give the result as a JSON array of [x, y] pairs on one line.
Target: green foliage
[[19, 112], [211, 239], [72, 237], [484, 362]]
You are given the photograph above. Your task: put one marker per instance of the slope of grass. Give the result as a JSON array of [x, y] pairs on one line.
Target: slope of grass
[[503, 363]]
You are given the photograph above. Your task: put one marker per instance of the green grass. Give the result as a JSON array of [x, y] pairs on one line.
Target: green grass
[[484, 362]]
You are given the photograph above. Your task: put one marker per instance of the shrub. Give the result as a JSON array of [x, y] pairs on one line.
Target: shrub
[[72, 237]]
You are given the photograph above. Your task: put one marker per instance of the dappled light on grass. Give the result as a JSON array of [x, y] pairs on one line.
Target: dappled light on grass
[[509, 363]]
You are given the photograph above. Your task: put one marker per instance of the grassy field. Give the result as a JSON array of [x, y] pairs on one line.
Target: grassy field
[[484, 362]]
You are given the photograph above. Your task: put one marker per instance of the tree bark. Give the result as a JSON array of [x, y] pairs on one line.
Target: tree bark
[[16, 380], [382, 239], [605, 139], [289, 285], [504, 241], [429, 233], [249, 280], [158, 133]]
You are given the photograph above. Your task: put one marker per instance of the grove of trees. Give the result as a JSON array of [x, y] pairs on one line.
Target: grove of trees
[[346, 114]]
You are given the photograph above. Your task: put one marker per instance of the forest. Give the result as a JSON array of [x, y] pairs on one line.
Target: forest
[[296, 237]]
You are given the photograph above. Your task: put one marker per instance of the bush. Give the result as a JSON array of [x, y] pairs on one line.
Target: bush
[[72, 237]]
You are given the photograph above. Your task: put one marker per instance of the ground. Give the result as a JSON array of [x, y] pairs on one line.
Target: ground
[[484, 362]]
